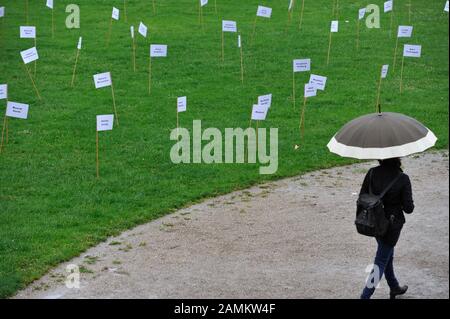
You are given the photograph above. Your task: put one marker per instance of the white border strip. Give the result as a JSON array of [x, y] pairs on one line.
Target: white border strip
[[383, 153]]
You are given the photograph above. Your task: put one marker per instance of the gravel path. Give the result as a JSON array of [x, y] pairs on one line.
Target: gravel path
[[293, 238]]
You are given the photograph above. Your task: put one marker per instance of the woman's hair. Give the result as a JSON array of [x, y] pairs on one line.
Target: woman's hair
[[391, 162]]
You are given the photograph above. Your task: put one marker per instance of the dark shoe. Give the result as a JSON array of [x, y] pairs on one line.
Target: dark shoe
[[400, 290]]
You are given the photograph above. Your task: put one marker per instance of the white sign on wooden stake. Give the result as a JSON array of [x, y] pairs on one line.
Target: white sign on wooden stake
[[361, 13], [302, 65], [264, 12], [318, 81], [259, 112], [80, 41], [158, 50], [115, 13], [50, 4], [17, 110], [27, 32], [310, 90], [2, 12], [3, 91], [143, 30], [334, 26], [404, 31], [102, 80], [388, 6], [384, 71], [105, 122], [182, 104], [412, 51], [265, 100], [229, 26], [29, 55]]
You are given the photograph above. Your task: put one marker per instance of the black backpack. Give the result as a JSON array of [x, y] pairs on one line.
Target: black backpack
[[370, 215]]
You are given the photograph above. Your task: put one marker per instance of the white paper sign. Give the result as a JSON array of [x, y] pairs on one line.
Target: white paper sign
[[310, 90], [318, 81], [334, 26], [388, 6], [384, 71], [362, 13], [105, 122], [302, 65], [158, 50], [132, 32], [115, 14], [29, 55], [412, 51], [291, 5], [143, 30], [182, 104], [2, 12], [17, 110], [264, 12], [265, 100], [229, 26], [259, 112], [203, 2], [3, 91], [102, 80], [80, 42], [404, 31], [446, 8], [27, 32], [239, 41], [50, 4]]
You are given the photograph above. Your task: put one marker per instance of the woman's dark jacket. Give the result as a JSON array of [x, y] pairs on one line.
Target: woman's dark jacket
[[397, 201]]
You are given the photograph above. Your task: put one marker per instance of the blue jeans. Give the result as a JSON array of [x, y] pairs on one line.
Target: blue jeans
[[384, 260]]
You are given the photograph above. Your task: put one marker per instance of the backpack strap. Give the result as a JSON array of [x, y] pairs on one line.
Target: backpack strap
[[390, 185], [370, 181]]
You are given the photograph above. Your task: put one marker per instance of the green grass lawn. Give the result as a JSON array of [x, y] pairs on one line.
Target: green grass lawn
[[52, 207]]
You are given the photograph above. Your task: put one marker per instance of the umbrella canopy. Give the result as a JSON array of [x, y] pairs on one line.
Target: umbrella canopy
[[382, 136]]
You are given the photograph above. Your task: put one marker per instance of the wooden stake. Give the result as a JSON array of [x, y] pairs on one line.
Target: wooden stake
[[215, 6], [392, 22], [26, 11], [133, 47], [257, 142], [378, 93], [357, 34], [302, 121], [154, 6], [401, 75], [201, 17], [7, 131], [3, 131], [75, 68], [35, 62], [53, 23], [333, 9], [409, 11], [337, 9], [395, 55], [32, 82], [293, 88], [114, 103], [301, 15], [242, 64], [149, 75], [125, 10], [329, 49], [223, 47], [96, 154]]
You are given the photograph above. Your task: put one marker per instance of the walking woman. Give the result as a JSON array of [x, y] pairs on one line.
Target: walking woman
[[397, 201]]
